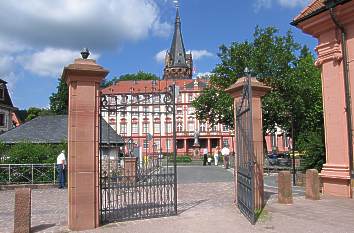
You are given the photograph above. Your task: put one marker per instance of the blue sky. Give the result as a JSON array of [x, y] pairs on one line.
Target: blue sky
[[38, 37]]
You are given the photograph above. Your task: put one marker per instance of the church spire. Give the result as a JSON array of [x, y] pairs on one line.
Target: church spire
[[177, 51], [178, 64]]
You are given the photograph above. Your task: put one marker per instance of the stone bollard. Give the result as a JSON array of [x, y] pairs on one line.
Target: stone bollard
[[130, 168], [22, 218], [285, 195], [312, 184]]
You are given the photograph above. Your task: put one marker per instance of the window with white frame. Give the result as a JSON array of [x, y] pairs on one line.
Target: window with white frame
[[146, 144], [145, 110], [157, 146], [157, 109], [225, 128], [168, 144], [2, 119], [225, 142], [156, 98], [123, 128], [168, 127], [111, 112], [145, 127], [123, 99], [135, 111], [285, 141], [123, 112], [135, 128], [179, 126], [190, 110], [179, 111], [179, 98], [190, 97], [191, 126], [274, 140], [202, 127], [156, 127]]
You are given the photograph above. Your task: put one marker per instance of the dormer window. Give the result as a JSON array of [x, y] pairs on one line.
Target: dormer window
[[2, 119], [2, 92]]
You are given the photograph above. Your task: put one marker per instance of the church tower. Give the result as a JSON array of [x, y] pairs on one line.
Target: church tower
[[178, 64]]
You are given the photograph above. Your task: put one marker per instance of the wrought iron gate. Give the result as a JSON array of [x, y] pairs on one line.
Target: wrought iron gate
[[245, 154], [139, 179]]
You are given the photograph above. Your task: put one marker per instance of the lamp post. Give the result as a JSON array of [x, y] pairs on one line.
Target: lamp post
[[293, 148]]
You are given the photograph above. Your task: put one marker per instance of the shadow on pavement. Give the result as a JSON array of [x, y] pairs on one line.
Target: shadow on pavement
[[184, 206], [267, 196], [41, 227]]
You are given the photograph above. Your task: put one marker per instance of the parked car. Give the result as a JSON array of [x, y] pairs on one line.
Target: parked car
[[284, 160], [272, 159]]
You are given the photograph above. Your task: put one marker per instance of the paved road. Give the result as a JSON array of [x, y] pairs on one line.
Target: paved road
[[204, 205], [203, 174]]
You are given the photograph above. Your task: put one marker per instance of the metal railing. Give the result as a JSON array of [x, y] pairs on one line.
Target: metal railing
[[27, 174]]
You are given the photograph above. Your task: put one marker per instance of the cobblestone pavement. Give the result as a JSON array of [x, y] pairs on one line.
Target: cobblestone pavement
[[203, 207]]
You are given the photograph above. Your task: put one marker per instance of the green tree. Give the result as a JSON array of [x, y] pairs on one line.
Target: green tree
[[59, 101], [141, 75], [279, 62], [34, 112]]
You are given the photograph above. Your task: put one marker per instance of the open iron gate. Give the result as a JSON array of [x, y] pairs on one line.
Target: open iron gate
[[245, 154], [139, 179]]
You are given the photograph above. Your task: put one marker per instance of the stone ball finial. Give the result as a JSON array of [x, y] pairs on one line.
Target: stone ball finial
[[85, 53]]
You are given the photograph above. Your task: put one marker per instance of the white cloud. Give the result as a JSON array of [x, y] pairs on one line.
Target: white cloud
[[196, 54], [42, 36], [6, 64], [50, 61], [259, 4], [199, 54], [11, 78], [160, 56], [74, 24], [203, 74]]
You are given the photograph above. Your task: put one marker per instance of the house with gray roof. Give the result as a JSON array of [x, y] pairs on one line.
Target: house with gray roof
[[7, 109], [54, 130]]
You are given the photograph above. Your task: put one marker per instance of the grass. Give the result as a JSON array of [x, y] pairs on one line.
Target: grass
[[262, 215]]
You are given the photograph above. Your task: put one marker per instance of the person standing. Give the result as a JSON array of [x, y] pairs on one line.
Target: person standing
[[225, 153], [61, 163], [216, 155], [205, 156]]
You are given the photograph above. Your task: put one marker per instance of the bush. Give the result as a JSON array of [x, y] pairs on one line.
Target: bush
[[311, 145], [181, 159], [31, 153]]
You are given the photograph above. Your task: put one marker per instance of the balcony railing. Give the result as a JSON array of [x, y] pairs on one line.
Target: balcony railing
[[27, 174]]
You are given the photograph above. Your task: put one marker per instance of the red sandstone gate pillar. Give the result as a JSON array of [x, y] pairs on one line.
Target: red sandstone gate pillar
[[258, 90], [83, 79], [336, 171]]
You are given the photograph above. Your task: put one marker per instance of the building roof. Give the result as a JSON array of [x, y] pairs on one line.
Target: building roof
[[51, 129], [314, 8], [177, 51], [6, 102], [146, 86]]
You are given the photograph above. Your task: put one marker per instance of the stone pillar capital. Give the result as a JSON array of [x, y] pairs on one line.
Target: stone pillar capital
[[329, 51], [84, 70], [258, 88]]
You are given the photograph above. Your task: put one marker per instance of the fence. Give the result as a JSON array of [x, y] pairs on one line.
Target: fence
[[27, 174]]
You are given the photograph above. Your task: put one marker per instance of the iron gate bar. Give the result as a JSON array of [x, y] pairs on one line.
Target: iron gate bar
[[152, 190], [245, 153]]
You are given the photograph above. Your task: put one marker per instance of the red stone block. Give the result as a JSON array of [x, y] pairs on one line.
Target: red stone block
[[22, 218], [312, 184], [285, 195]]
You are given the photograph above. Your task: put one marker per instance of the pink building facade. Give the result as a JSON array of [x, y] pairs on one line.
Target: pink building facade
[[332, 23], [133, 122]]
